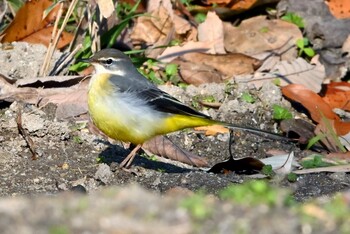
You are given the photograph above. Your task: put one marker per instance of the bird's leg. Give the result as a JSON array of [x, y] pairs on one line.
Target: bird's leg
[[128, 160]]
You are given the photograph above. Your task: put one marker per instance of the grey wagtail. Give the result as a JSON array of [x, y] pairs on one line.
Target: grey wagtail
[[126, 106]]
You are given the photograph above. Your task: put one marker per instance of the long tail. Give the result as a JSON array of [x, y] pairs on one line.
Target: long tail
[[258, 132]]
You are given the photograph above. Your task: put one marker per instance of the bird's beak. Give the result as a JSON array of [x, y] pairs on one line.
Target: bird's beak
[[84, 60]]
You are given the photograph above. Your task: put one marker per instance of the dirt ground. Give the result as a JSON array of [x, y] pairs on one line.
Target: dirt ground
[[71, 158]]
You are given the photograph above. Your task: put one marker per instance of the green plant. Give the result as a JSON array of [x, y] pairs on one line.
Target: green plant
[[247, 97], [292, 177], [253, 192], [200, 17], [304, 48], [268, 171], [197, 206], [315, 162], [280, 113], [294, 19]]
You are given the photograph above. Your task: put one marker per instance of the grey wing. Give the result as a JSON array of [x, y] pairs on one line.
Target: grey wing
[[158, 99], [162, 101]]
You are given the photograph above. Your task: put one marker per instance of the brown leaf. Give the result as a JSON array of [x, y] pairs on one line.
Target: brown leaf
[[29, 23], [212, 30], [196, 74], [311, 101], [173, 52], [155, 30], [259, 34], [43, 36], [29, 20], [227, 65], [338, 95], [339, 8], [160, 145], [212, 130], [303, 129], [339, 156]]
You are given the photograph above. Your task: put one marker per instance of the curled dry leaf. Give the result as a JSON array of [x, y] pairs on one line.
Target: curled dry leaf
[[338, 95], [155, 30], [212, 30], [162, 146], [310, 100], [316, 106]]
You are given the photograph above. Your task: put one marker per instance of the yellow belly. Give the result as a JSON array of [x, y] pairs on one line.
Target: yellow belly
[[125, 118]]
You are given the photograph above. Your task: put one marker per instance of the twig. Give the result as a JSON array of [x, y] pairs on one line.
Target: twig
[[50, 48], [26, 137], [3, 14]]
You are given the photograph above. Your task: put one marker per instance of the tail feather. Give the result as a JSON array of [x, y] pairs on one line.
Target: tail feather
[[255, 131]]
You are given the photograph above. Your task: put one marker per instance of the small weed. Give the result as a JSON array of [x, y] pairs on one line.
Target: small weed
[[292, 177], [247, 97], [305, 48], [77, 139], [281, 113], [252, 192], [200, 17], [315, 162], [294, 19], [197, 206], [268, 171]]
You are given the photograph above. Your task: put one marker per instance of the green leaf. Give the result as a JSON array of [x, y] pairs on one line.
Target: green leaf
[[200, 17], [247, 97], [315, 162], [300, 43], [294, 19], [280, 113], [314, 140], [292, 177], [171, 69], [309, 52], [268, 171]]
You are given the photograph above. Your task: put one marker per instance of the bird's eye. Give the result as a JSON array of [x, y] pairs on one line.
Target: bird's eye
[[106, 61]]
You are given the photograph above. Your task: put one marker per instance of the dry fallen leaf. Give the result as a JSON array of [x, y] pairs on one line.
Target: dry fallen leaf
[[162, 146], [29, 25], [339, 8], [297, 71], [212, 30], [316, 106], [311, 101], [228, 64], [196, 74], [213, 130], [155, 30], [259, 34], [338, 95]]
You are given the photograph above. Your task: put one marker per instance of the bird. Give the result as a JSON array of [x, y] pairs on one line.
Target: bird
[[126, 106]]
